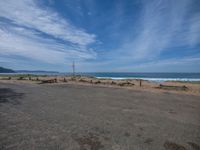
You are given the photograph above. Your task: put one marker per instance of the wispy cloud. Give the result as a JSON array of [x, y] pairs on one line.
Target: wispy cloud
[[163, 24], [194, 30], [101, 36], [28, 13], [38, 33], [19, 41], [185, 64]]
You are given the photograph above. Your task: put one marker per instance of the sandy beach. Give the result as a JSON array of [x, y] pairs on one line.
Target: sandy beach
[[84, 116], [191, 88]]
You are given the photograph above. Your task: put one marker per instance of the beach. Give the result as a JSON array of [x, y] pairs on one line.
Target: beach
[[172, 86], [79, 115]]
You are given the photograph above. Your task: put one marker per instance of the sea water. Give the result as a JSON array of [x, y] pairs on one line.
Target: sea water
[[147, 76], [158, 77]]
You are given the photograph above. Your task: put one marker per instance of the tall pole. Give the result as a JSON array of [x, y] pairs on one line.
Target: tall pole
[[73, 67]]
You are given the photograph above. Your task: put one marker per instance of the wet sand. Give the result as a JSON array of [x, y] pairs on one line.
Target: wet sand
[[79, 117]]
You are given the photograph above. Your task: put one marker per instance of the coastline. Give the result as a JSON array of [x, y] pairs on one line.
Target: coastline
[[153, 79], [173, 86]]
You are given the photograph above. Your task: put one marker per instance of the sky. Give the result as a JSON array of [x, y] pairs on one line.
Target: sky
[[100, 35]]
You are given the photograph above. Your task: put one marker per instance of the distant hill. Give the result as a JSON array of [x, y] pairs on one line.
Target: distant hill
[[6, 70], [36, 71]]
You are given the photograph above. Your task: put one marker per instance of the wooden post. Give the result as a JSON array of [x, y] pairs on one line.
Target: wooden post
[[140, 82], [73, 67]]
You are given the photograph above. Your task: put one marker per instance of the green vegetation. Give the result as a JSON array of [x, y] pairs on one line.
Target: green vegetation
[[6, 70], [22, 75]]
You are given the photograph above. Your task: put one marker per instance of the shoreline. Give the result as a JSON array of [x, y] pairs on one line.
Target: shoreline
[[182, 87], [154, 79]]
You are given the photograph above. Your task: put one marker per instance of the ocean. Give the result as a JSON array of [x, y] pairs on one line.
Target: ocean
[[157, 77], [147, 76]]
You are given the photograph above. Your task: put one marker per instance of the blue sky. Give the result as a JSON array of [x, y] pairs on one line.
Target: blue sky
[[100, 35]]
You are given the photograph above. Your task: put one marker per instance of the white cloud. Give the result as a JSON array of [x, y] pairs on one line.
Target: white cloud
[[27, 13], [185, 64], [26, 43], [194, 31], [23, 35], [163, 24]]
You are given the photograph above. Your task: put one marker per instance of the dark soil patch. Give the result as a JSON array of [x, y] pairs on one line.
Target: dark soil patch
[[172, 112], [8, 95], [194, 146], [141, 128], [173, 146], [89, 142], [100, 130], [127, 134], [148, 141]]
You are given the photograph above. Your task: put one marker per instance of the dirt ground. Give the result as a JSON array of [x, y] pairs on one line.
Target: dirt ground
[[78, 117]]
